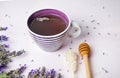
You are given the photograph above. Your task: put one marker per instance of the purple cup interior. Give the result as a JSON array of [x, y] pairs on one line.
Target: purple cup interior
[[46, 12]]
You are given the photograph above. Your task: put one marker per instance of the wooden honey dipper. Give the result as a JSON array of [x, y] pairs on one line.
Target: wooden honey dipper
[[84, 51]]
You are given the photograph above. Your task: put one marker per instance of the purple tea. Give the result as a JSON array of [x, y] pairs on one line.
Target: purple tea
[[47, 25]]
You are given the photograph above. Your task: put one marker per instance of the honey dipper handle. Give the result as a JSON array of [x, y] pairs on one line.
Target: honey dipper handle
[[86, 62]]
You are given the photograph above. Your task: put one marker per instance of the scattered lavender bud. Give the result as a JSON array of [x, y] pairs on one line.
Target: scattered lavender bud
[[103, 53], [67, 70], [87, 27], [104, 70], [108, 33], [92, 21], [32, 60], [85, 40], [99, 33], [94, 27], [91, 15], [98, 23], [88, 33], [6, 15], [58, 55], [103, 7]]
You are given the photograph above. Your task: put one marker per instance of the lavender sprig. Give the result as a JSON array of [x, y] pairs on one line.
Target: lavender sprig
[[5, 57], [14, 73]]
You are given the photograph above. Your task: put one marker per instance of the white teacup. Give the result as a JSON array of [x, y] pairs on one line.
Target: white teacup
[[52, 43]]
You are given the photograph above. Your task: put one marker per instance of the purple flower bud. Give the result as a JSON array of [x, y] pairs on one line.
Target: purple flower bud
[[22, 69], [1, 68], [52, 73], [3, 38], [5, 46], [31, 73], [3, 28]]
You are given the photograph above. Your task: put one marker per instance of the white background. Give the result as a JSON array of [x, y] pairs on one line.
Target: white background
[[100, 23]]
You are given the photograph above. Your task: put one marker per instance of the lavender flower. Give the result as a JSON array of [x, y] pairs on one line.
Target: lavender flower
[[43, 73], [3, 28], [4, 46], [3, 38], [52, 72], [20, 70], [47, 74]]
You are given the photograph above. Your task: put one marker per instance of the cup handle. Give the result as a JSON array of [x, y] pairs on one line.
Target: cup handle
[[77, 30]]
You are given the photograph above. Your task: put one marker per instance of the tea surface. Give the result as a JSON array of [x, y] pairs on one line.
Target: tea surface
[[48, 25]]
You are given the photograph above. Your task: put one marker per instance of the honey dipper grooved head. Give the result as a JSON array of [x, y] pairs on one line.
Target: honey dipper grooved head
[[84, 49]]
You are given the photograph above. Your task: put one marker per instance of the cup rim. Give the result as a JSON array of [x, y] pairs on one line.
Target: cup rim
[[66, 29]]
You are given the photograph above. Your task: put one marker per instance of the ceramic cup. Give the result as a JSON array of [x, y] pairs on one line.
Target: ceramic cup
[[53, 42]]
